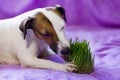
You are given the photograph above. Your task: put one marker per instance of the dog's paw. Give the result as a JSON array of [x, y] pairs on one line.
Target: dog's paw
[[67, 67]]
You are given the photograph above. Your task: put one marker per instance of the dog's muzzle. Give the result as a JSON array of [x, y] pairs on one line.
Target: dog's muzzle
[[65, 51]]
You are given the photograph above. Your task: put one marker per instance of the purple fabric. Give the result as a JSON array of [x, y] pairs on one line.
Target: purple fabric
[[82, 12], [90, 16]]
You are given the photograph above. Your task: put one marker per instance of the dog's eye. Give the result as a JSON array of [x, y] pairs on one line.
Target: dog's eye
[[45, 34]]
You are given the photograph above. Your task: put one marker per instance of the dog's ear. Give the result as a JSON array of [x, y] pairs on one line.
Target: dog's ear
[[26, 24], [62, 11]]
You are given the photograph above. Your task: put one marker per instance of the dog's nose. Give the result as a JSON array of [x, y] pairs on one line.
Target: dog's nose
[[65, 51]]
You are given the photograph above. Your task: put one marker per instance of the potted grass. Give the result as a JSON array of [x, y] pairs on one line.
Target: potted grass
[[81, 56]]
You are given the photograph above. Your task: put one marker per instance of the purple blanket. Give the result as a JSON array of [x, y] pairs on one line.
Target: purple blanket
[[97, 21]]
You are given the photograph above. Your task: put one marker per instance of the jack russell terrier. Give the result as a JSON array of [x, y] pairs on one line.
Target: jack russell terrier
[[25, 37]]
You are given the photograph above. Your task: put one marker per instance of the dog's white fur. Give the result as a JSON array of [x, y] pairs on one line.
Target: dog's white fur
[[15, 50]]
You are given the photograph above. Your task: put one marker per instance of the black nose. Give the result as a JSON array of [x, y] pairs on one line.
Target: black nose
[[65, 51]]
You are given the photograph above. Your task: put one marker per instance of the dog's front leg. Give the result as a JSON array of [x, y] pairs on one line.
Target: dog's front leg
[[34, 62]]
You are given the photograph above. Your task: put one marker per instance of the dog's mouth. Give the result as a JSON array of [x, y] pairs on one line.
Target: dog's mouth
[[65, 57]]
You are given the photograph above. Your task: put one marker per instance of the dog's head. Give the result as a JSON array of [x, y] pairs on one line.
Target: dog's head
[[48, 25]]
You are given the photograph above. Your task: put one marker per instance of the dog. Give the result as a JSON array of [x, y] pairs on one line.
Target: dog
[[24, 37]]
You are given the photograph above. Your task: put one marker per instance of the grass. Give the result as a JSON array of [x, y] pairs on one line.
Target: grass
[[80, 55]]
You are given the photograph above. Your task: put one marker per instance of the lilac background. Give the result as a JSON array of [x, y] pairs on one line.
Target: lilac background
[[92, 20], [80, 12]]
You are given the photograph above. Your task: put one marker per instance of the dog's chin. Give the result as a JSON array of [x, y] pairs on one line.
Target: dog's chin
[[65, 57], [58, 51]]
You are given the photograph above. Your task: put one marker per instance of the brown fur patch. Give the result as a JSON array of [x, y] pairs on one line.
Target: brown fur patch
[[44, 30]]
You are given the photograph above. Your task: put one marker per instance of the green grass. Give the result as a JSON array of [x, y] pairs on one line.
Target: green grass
[[80, 55]]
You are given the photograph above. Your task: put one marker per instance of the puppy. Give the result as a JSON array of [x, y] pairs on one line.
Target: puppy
[[25, 37]]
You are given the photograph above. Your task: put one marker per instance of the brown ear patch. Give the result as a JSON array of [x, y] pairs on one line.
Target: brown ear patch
[[44, 30], [42, 24]]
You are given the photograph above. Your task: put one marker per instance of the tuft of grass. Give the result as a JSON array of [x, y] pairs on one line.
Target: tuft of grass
[[80, 55]]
